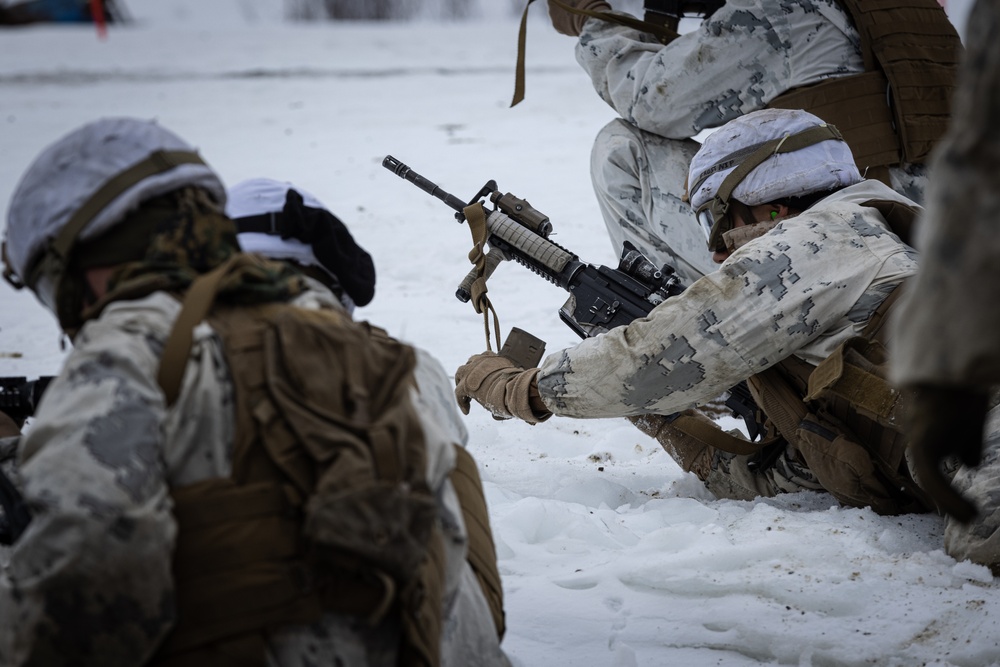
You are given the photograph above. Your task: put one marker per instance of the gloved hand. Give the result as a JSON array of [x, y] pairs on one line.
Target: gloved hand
[[943, 422], [500, 386], [570, 23]]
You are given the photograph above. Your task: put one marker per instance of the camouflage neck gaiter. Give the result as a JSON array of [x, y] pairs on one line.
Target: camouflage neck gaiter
[[172, 240]]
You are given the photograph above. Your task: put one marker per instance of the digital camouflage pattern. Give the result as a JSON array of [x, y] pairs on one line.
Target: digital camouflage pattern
[[90, 581], [948, 329], [801, 289], [742, 57]]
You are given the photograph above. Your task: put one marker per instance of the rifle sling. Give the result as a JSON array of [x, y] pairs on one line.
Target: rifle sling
[[714, 436], [661, 32], [475, 214]]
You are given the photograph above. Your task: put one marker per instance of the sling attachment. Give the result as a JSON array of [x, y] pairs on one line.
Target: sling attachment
[[476, 216], [662, 33]]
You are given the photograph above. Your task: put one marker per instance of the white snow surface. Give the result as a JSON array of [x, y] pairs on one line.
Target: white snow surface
[[610, 554]]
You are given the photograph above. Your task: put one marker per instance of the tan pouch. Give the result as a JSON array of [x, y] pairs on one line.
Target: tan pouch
[[844, 467], [856, 373]]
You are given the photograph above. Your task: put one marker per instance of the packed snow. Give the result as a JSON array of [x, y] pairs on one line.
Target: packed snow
[[610, 554]]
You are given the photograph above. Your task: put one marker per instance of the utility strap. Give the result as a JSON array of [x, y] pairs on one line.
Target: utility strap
[[713, 435]]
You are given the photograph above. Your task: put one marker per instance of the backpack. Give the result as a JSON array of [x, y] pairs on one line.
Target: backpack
[[327, 507]]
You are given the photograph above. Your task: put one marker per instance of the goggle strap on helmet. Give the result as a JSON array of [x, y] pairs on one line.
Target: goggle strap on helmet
[[157, 163], [787, 144]]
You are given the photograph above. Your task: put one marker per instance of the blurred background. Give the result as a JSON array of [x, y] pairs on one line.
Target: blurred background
[[252, 11]]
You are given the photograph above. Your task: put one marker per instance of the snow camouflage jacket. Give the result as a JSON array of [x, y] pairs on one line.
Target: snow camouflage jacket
[[746, 54], [802, 289], [93, 570]]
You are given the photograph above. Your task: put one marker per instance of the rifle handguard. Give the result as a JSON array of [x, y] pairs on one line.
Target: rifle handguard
[[533, 246]]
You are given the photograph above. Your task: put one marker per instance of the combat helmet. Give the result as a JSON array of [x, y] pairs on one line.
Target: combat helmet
[[762, 157], [83, 186]]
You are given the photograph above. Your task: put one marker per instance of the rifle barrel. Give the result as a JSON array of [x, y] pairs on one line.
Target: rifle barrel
[[404, 172]]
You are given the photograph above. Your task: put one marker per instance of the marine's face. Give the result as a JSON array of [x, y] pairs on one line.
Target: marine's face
[[719, 256], [759, 213]]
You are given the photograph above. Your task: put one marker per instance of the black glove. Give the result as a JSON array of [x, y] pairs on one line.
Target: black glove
[[332, 244], [305, 223], [942, 422]]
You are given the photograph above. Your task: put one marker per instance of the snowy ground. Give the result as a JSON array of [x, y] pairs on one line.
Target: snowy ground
[[611, 556]]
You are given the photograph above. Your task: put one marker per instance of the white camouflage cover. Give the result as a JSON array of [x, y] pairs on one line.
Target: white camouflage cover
[[67, 173], [827, 165]]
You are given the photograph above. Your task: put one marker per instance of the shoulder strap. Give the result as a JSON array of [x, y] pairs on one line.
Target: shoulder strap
[[197, 302], [857, 370], [482, 549]]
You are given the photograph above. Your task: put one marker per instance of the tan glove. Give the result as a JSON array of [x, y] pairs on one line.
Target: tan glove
[[570, 23], [500, 386]]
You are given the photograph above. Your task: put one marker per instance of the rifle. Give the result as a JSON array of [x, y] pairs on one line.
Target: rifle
[[601, 298], [19, 397], [668, 13]]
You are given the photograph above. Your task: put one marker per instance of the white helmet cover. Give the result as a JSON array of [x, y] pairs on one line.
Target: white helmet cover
[[827, 165], [71, 170], [256, 196]]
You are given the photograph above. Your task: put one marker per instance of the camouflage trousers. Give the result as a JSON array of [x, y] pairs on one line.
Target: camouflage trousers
[[640, 180]]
